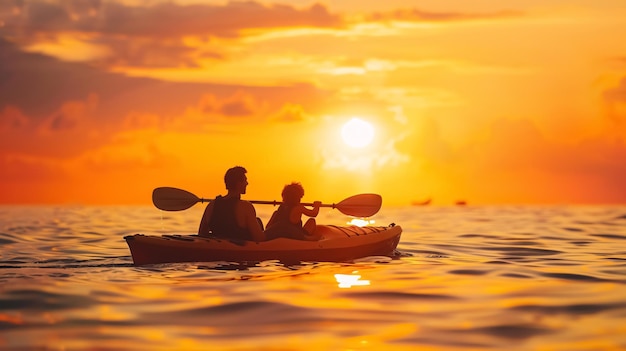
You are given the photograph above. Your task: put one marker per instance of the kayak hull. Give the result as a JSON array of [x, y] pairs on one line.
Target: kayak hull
[[337, 244]]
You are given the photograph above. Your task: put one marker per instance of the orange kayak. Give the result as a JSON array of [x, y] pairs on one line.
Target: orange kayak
[[338, 244]]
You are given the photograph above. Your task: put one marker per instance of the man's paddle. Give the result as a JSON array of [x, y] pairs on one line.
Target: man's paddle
[[174, 199]]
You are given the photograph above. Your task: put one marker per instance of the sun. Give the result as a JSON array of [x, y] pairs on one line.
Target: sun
[[357, 133]]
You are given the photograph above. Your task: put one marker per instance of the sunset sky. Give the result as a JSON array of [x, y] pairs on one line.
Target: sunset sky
[[493, 102]]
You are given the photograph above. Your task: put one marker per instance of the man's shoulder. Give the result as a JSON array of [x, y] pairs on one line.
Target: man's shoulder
[[246, 204]]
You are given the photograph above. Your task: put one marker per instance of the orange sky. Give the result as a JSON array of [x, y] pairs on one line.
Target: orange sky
[[489, 102]]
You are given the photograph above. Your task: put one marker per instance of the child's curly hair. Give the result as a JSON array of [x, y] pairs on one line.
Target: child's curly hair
[[293, 192]]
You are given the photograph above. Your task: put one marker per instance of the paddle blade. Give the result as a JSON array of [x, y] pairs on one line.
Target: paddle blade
[[173, 199], [362, 205]]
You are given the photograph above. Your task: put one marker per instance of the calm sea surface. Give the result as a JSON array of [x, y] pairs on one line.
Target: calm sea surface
[[467, 278]]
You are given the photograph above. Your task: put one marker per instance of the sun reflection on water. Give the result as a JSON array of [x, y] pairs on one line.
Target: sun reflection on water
[[361, 222], [346, 281]]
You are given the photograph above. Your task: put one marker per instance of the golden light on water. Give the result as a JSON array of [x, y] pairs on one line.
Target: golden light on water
[[360, 222], [346, 281]]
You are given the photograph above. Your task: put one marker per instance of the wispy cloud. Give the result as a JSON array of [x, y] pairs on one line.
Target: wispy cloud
[[156, 35], [113, 34], [163, 20], [417, 15]]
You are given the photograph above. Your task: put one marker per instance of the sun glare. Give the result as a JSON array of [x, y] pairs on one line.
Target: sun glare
[[357, 133]]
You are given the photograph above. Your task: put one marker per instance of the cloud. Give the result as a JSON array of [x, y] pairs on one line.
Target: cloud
[[290, 113], [71, 115], [150, 52], [240, 105], [160, 20], [38, 86], [215, 113], [171, 20], [142, 121], [151, 36], [114, 34], [417, 15]]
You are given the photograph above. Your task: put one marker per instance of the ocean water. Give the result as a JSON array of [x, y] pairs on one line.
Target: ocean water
[[465, 278]]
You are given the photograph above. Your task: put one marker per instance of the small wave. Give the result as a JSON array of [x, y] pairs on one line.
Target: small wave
[[398, 296], [379, 259], [427, 253], [581, 242], [575, 277], [512, 331], [4, 240], [454, 343], [236, 314], [523, 251], [519, 242], [23, 263], [38, 300], [497, 262], [573, 309], [468, 272], [483, 236], [555, 238], [241, 307], [516, 275], [610, 236]]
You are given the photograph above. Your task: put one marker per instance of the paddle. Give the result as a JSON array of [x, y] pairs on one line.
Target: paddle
[[174, 199]]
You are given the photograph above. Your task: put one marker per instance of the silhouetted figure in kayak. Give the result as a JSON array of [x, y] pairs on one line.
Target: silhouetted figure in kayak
[[286, 221], [228, 216]]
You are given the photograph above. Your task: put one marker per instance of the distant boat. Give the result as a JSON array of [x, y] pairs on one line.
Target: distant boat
[[461, 203], [421, 203]]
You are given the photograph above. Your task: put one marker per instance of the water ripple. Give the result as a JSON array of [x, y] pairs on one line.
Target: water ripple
[[398, 296], [575, 277], [524, 251], [235, 314], [468, 272], [36, 300], [573, 309], [511, 331], [610, 236]]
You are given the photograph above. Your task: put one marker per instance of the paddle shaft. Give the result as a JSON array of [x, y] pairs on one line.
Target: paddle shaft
[[274, 202]]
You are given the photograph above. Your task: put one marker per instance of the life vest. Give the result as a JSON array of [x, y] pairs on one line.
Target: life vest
[[223, 221]]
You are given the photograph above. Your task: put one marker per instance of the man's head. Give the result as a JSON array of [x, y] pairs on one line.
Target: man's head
[[235, 176]]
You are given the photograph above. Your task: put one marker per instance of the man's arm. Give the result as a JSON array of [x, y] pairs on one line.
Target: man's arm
[[251, 222], [204, 228]]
